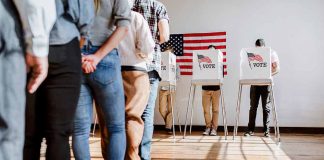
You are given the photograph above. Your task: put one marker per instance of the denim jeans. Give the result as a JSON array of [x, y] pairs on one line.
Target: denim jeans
[[106, 88], [148, 118], [12, 83]]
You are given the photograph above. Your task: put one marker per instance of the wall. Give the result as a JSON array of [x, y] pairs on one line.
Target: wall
[[294, 28]]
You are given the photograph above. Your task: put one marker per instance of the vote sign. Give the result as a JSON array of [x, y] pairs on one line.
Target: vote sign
[[168, 66], [207, 64], [255, 63]]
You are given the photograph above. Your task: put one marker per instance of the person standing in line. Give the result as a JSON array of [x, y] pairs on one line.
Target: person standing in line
[[16, 17], [50, 111], [102, 81], [135, 50], [156, 15], [262, 91]]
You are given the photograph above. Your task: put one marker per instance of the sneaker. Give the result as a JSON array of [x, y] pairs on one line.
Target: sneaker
[[213, 132], [207, 131], [248, 133], [266, 134]]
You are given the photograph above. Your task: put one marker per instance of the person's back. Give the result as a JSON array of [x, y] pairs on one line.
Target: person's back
[[137, 46]]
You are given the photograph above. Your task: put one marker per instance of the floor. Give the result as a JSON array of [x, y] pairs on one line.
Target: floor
[[196, 146]]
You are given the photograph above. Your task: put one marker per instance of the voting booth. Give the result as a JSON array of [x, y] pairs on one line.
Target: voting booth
[[168, 67], [255, 69], [207, 70], [168, 75], [255, 63], [207, 65]]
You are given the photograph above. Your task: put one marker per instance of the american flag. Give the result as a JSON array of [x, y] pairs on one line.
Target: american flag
[[202, 58], [184, 44], [254, 57]]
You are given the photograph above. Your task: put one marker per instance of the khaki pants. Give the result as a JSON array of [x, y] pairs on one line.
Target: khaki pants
[[165, 106], [211, 97], [136, 90]]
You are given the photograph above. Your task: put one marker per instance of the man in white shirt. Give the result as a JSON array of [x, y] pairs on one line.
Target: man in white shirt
[[13, 65], [261, 91], [135, 50]]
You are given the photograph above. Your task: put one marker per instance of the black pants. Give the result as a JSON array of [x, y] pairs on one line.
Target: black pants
[[50, 111], [255, 93]]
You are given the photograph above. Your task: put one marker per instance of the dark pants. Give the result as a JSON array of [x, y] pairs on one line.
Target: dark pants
[[255, 93], [12, 83], [50, 111]]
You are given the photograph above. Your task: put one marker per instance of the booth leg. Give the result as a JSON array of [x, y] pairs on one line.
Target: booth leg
[[237, 111], [188, 105], [179, 121], [275, 115], [224, 112], [192, 107], [94, 125], [172, 113]]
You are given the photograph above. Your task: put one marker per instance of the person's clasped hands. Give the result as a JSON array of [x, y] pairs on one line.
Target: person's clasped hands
[[89, 63]]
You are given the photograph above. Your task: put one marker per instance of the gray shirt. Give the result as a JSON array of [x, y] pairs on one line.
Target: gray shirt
[[74, 18], [111, 13]]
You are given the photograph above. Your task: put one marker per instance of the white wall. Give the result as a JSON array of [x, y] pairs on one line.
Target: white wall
[[294, 28]]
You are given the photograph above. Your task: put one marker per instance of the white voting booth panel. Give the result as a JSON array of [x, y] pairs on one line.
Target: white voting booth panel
[[255, 63], [207, 65], [168, 67]]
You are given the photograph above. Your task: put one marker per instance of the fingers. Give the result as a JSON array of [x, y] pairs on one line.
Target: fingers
[[88, 67], [36, 80]]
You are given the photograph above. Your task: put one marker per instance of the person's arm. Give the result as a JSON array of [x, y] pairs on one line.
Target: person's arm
[[121, 13], [275, 65], [275, 68], [38, 18], [163, 24], [144, 41], [164, 30]]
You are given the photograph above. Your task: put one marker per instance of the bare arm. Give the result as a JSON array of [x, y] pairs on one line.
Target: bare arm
[[164, 30], [107, 47], [275, 68], [112, 42]]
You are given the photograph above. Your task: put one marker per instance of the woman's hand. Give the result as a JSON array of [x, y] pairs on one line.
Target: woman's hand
[[89, 63]]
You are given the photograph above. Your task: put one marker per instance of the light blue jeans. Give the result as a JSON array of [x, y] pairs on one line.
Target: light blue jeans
[[148, 118], [106, 88]]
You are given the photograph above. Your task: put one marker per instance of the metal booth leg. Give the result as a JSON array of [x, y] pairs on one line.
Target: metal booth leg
[[223, 112], [188, 105], [192, 106], [171, 102], [275, 115], [179, 121], [237, 111]]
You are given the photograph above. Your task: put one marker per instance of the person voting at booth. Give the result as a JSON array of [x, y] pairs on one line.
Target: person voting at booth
[[261, 91], [210, 98], [167, 97]]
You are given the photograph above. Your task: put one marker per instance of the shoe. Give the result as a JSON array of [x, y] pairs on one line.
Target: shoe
[[248, 133], [169, 130], [207, 131], [266, 134], [213, 132]]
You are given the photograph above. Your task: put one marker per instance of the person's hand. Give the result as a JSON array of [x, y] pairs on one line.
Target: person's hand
[[38, 66], [89, 63]]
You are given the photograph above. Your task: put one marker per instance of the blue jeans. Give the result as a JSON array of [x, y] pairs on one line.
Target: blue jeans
[[12, 83], [106, 88], [148, 118]]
